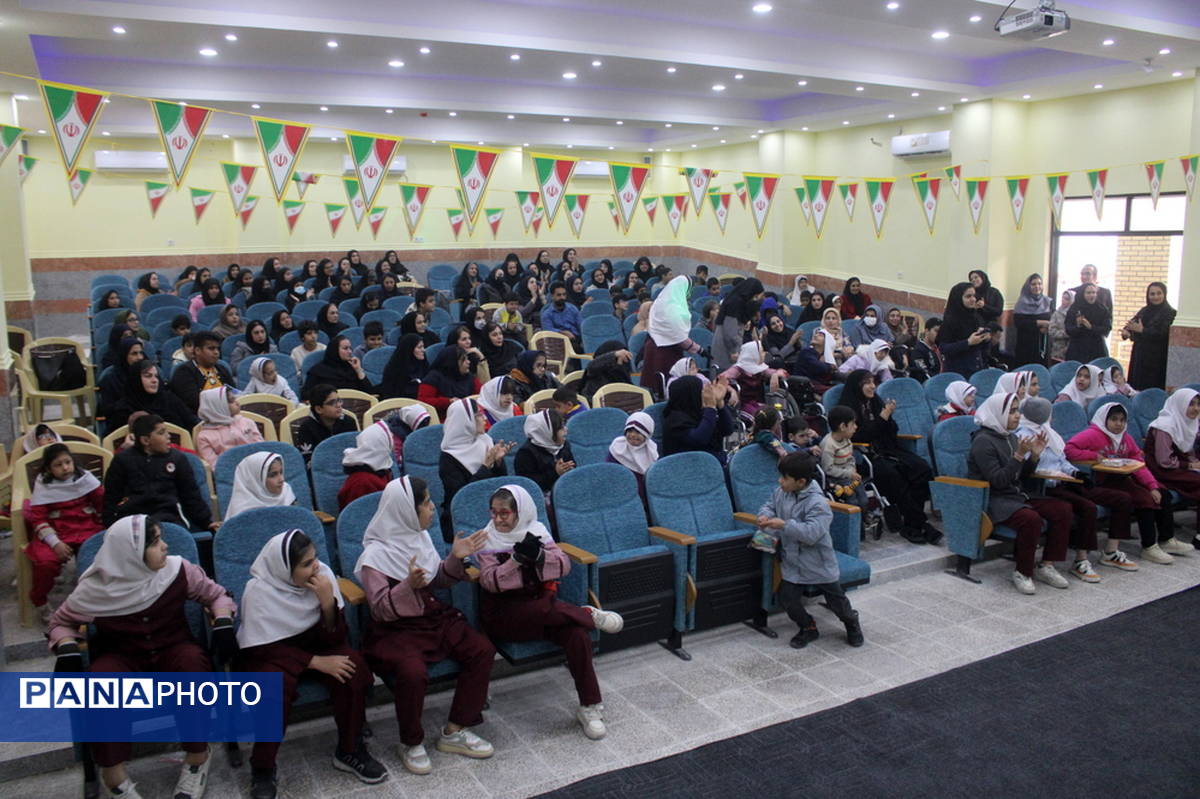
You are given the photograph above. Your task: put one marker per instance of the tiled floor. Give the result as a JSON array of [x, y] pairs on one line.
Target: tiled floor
[[657, 705]]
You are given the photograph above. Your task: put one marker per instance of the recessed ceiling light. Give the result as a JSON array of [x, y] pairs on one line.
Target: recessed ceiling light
[[804, 128], [738, 76], [860, 88], [761, 8], [671, 70], [1176, 74], [975, 18], [118, 29], [511, 116], [693, 146], [801, 83], [940, 35], [620, 122], [941, 108], [231, 37], [395, 63], [388, 111], [760, 130], [649, 149], [514, 57], [891, 116], [1026, 96], [333, 138], [566, 119], [331, 44], [453, 113], [434, 141], [41, 131], [207, 52], [324, 108], [722, 141], [569, 75], [424, 51], [224, 135], [1165, 51], [526, 144], [570, 146], [716, 127], [255, 106], [915, 94], [754, 135], [964, 100], [668, 124], [845, 122], [105, 133], [718, 87], [1108, 42], [1098, 86], [892, 6], [597, 63]]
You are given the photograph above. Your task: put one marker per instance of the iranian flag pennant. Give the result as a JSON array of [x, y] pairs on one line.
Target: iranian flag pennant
[[616, 215], [976, 194], [927, 194], [78, 182], [1154, 170], [553, 173], [1017, 188], [698, 180], [740, 189], [414, 196], [155, 191], [474, 166], [576, 208], [720, 204], [805, 205], [73, 112], [354, 196], [180, 128], [538, 216], [201, 198], [456, 216], [849, 197], [1188, 162], [527, 201], [954, 176], [334, 213], [1098, 179], [9, 134], [291, 212], [462, 203], [628, 180], [248, 206], [879, 193], [25, 165], [375, 219], [238, 178], [494, 215], [1057, 184], [760, 191], [676, 205], [819, 190], [651, 206], [281, 143], [303, 180], [373, 157]]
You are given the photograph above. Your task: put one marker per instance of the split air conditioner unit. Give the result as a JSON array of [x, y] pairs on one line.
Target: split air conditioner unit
[[398, 168], [591, 169], [131, 161], [910, 145]]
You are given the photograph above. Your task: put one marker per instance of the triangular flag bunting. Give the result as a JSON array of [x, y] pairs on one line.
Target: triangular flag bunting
[[538, 216], [527, 201], [553, 173], [1097, 179], [414, 195], [494, 215], [238, 178], [628, 180], [805, 205], [9, 134], [879, 192], [1057, 185], [373, 157], [720, 204], [651, 206], [462, 203], [1188, 162], [334, 213], [456, 216], [698, 180], [927, 194], [1154, 170], [954, 176], [248, 207], [200, 201], [675, 204], [291, 212], [849, 197], [180, 127], [819, 190], [760, 191], [375, 219], [474, 166], [1017, 187], [303, 180], [155, 191], [976, 194], [281, 143], [616, 215], [576, 208], [25, 164], [354, 196], [740, 189], [73, 112], [78, 182]]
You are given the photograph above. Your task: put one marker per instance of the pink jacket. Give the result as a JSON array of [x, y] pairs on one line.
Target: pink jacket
[[1092, 444], [212, 441], [390, 600], [496, 577], [196, 304]]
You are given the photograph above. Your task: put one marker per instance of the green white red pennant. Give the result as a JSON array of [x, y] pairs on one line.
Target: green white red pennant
[[1017, 186], [976, 195], [628, 180], [676, 205], [698, 180], [1057, 186], [303, 180], [553, 174], [155, 191], [201, 198], [281, 143], [248, 206], [805, 205], [1098, 180], [456, 216], [414, 196], [354, 197], [849, 197], [819, 190], [740, 189], [25, 165], [1154, 171], [1188, 162], [334, 212], [494, 215], [954, 178], [651, 206], [180, 128], [879, 193], [576, 208], [462, 203], [372, 157], [78, 182], [527, 201], [760, 191], [375, 219], [538, 216], [73, 112], [616, 215], [474, 166], [9, 134], [291, 212], [720, 204], [238, 178], [927, 194]]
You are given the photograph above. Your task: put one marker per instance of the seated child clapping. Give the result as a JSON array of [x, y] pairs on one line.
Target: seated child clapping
[[841, 470]]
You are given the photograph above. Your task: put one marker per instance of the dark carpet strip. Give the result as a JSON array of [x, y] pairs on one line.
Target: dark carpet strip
[[1109, 709]]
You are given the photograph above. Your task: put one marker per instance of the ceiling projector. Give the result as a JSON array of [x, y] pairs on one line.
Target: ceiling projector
[[1042, 22]]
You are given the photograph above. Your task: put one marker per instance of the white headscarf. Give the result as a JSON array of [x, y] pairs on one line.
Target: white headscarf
[[1107, 383], [794, 298], [540, 431], [829, 350], [1011, 382], [1082, 398], [250, 485], [489, 399], [412, 415], [257, 385], [993, 413], [680, 368], [394, 536], [119, 582], [459, 439], [636, 459], [868, 352], [31, 438], [372, 448], [527, 522], [956, 397], [750, 358], [1100, 419], [1173, 421], [273, 607], [214, 407], [670, 318], [78, 485]]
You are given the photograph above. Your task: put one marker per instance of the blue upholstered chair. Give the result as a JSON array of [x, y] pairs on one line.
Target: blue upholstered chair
[[398, 304], [284, 365], [935, 389], [374, 362], [985, 382], [441, 277], [1043, 376], [511, 429], [388, 318], [1104, 362], [307, 309], [263, 311], [156, 302], [912, 414], [293, 471], [422, 450], [327, 474], [656, 413], [1060, 375], [829, 399], [209, 314], [591, 432], [1067, 419], [1147, 403], [598, 329], [599, 308]]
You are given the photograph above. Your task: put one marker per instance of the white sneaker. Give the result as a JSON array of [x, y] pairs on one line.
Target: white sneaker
[[1084, 571], [1046, 573], [591, 718], [1173, 546], [126, 790], [606, 621], [193, 780], [1155, 554], [1024, 584], [465, 743], [415, 759], [1118, 560]]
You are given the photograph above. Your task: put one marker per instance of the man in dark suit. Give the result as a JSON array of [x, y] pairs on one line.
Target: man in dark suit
[[1088, 275], [189, 379]]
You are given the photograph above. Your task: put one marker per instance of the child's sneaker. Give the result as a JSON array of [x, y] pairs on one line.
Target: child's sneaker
[[1023, 584], [1173, 546], [1118, 560], [464, 742], [606, 621], [805, 637], [1156, 554], [1046, 573], [1084, 571], [764, 542]]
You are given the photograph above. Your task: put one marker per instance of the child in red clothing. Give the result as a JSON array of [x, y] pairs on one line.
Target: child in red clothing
[[368, 464], [63, 512]]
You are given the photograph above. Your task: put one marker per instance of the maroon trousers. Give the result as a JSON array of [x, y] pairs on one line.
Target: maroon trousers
[[1027, 522], [1155, 524], [1083, 501], [520, 617]]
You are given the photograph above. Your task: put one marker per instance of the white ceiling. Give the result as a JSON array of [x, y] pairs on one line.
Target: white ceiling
[[281, 61]]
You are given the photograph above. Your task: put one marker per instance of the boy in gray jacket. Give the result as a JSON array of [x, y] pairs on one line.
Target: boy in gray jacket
[[799, 514]]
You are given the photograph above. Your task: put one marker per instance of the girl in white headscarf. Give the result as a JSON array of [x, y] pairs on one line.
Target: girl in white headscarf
[[960, 400], [265, 379], [403, 422], [635, 448], [412, 629], [669, 326], [39, 436], [368, 464], [259, 482], [753, 377], [1112, 380], [292, 623], [224, 426], [545, 455], [1171, 445], [134, 593], [496, 400], [1013, 383], [874, 357], [468, 453], [685, 366], [1084, 387], [518, 570]]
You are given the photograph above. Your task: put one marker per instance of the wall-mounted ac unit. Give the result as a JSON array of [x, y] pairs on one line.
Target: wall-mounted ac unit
[[591, 169], [131, 161], [398, 167], [909, 145]]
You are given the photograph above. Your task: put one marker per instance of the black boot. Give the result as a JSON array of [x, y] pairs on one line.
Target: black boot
[[913, 535], [894, 519], [932, 534], [262, 783], [854, 633], [805, 637]]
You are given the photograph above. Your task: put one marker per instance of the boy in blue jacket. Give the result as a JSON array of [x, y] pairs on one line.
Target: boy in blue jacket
[[799, 514]]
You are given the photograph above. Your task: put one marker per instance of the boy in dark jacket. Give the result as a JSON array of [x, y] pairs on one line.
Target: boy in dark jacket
[[189, 379]]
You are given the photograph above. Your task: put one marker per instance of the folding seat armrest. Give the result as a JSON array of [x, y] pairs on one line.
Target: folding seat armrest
[[842, 507], [672, 537], [472, 573], [962, 481], [323, 517], [746, 518], [581, 556], [909, 436], [351, 591]]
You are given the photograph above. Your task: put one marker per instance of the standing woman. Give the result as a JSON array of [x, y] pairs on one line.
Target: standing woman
[[854, 299], [292, 623], [1150, 329], [1088, 324], [989, 300], [669, 324], [468, 454], [738, 311], [962, 338], [1031, 317]]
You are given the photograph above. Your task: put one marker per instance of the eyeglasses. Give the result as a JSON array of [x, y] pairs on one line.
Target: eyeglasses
[[502, 513], [335, 401]]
